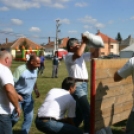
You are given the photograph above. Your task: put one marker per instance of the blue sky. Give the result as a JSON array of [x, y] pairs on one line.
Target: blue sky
[[36, 19]]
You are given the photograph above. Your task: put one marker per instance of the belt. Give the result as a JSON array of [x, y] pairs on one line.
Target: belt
[[47, 118], [81, 80]]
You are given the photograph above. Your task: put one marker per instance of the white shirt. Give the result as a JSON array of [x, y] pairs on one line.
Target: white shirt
[[57, 103], [127, 69], [6, 77], [77, 68]]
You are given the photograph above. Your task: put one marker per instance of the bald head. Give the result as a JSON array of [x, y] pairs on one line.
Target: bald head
[[5, 58]]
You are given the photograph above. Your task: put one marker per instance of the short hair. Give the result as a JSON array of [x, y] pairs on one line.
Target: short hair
[[67, 83], [71, 42], [4, 54]]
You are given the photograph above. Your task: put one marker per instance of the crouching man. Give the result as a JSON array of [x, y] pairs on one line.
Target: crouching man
[[58, 103]]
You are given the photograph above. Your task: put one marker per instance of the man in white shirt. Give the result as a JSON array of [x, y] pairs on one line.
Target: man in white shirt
[[8, 95], [76, 67], [58, 102]]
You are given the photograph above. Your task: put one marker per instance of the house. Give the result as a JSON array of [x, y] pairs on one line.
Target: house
[[127, 52], [126, 42], [50, 47], [17, 45], [111, 46]]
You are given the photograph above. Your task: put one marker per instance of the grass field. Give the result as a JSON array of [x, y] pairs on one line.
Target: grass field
[[45, 83]]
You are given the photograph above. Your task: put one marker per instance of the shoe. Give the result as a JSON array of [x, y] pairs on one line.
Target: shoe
[[93, 40]]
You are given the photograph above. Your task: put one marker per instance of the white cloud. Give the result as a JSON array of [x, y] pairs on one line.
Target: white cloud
[[26, 4], [64, 21], [8, 30], [110, 22], [34, 29], [82, 4], [4, 8], [86, 26], [92, 21], [17, 21], [132, 18], [73, 31]]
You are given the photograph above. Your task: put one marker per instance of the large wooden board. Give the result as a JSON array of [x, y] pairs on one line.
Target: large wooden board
[[113, 100]]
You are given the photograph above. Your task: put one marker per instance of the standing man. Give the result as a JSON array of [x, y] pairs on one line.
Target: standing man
[[42, 64], [51, 117], [25, 77], [55, 66], [75, 63], [124, 72], [8, 95]]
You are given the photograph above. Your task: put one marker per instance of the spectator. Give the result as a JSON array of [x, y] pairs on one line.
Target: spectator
[[51, 115], [42, 64], [8, 96], [25, 81], [55, 66]]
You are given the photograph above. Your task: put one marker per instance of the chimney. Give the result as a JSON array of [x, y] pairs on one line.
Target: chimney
[[6, 41], [98, 31], [48, 39]]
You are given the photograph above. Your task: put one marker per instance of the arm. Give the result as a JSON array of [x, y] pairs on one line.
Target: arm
[[81, 49], [13, 97], [36, 91], [117, 77]]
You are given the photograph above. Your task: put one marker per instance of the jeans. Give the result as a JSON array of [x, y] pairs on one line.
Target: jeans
[[5, 124], [27, 107], [82, 106], [55, 71], [55, 127]]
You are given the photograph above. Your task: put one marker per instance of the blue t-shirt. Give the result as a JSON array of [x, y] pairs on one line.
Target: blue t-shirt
[[24, 80]]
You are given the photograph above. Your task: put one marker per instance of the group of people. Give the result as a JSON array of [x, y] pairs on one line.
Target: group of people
[[64, 108]]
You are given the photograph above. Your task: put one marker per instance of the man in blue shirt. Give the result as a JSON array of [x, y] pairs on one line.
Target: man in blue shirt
[[25, 77]]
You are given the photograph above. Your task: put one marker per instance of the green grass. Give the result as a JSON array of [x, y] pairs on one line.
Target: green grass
[[45, 83]]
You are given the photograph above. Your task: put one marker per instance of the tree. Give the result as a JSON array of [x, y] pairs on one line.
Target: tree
[[119, 38]]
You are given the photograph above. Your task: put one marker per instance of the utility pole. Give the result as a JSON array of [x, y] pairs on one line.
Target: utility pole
[[57, 30]]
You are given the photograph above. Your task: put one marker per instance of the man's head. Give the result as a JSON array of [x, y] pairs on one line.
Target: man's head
[[69, 84], [6, 58], [73, 44], [34, 62]]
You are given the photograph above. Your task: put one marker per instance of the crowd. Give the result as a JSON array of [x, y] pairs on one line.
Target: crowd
[[64, 108]]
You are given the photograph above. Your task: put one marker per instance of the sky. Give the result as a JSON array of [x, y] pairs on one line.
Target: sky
[[40, 19]]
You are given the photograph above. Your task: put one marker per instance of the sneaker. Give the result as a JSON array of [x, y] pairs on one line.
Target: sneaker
[[93, 40]]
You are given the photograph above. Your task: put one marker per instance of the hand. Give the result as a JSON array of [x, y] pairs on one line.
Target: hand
[[84, 39], [20, 98], [37, 93], [18, 111]]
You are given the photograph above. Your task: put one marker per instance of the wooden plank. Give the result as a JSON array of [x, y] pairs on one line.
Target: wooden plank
[[109, 82], [103, 93], [110, 63], [114, 109], [108, 102], [111, 120]]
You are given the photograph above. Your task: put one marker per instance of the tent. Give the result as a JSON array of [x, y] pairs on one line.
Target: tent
[[127, 52]]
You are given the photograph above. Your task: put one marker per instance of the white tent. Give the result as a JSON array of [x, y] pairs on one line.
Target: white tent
[[128, 52]]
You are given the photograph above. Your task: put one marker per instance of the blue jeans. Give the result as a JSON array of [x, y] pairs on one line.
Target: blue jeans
[[82, 106], [27, 107], [56, 127], [5, 124]]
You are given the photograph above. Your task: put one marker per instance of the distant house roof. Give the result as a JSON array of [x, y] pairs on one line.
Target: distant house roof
[[19, 42], [129, 48], [64, 42], [128, 41], [106, 38]]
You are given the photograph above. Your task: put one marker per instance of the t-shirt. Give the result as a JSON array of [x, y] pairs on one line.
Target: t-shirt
[[24, 79], [127, 69], [77, 68], [6, 77], [55, 61], [57, 103]]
